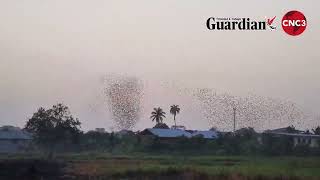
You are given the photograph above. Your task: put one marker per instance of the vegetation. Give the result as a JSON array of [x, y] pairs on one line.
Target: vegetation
[[161, 126], [53, 128], [316, 130], [174, 110], [157, 114], [244, 142], [244, 154], [87, 166]]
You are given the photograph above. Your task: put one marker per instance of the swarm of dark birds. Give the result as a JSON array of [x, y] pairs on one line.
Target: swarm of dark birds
[[250, 111], [123, 95]]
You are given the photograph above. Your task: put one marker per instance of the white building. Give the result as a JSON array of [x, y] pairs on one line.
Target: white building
[[299, 137]]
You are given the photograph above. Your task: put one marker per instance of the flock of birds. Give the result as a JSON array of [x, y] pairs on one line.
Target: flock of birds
[[123, 95], [250, 111], [124, 101]]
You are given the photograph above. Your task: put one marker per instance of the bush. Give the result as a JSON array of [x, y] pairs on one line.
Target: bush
[[161, 126]]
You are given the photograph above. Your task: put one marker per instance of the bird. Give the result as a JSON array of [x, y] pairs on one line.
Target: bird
[[270, 21]]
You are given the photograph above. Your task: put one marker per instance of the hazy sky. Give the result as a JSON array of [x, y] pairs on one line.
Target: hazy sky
[[57, 51]]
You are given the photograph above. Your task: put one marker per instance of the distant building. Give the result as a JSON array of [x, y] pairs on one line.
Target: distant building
[[124, 132], [176, 133], [206, 134], [299, 137], [165, 133], [14, 140], [178, 127], [100, 130], [285, 130]]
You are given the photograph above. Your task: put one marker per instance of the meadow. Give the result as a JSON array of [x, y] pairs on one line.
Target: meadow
[[155, 166]]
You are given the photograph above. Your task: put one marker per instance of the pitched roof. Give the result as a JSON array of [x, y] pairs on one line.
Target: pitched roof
[[206, 134], [12, 133], [283, 130], [169, 132], [297, 135]]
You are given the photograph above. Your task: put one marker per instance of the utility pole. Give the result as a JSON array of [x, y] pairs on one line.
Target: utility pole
[[234, 119]]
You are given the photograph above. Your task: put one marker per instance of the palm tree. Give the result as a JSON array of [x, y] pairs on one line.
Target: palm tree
[[157, 114], [174, 110]]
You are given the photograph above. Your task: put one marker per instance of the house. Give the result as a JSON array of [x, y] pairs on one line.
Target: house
[[176, 133], [14, 140], [299, 137], [165, 133], [124, 132], [206, 134], [288, 129], [100, 130], [178, 127]]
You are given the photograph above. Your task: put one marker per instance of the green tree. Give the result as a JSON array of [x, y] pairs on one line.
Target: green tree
[[95, 141], [157, 114], [53, 127], [174, 110]]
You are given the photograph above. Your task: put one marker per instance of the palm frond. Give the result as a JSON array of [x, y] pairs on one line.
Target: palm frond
[[157, 114]]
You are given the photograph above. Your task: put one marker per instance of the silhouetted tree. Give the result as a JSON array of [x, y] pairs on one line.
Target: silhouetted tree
[[174, 110], [157, 114], [316, 130], [161, 126], [213, 129], [291, 129], [246, 133], [307, 132], [97, 141], [53, 126]]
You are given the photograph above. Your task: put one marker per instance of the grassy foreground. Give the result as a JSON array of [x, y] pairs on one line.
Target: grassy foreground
[[142, 166]]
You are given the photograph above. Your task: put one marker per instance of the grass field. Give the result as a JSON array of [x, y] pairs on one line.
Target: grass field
[[143, 166]]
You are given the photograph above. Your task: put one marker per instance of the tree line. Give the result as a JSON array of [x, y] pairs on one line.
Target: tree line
[[56, 130]]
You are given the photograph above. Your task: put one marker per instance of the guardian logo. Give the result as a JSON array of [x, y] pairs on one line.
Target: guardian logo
[[294, 23], [227, 23]]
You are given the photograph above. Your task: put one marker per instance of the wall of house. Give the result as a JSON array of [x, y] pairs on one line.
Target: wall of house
[[312, 142], [13, 146]]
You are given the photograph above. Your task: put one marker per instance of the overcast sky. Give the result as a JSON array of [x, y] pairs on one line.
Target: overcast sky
[[57, 51]]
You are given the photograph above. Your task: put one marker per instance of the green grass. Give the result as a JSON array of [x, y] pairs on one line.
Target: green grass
[[117, 165], [250, 166]]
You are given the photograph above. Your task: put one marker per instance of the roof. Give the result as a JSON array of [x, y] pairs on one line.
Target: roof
[[12, 133], [124, 132], [178, 127], [297, 135], [283, 130], [206, 134], [169, 132]]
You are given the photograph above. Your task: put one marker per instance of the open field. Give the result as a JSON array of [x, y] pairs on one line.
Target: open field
[[106, 166]]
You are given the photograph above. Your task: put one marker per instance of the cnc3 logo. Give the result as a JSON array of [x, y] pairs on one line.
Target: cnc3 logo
[[294, 23]]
